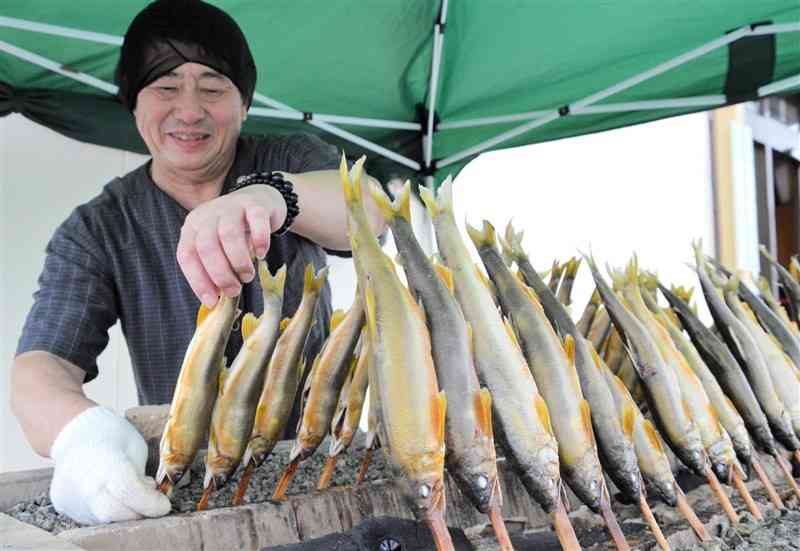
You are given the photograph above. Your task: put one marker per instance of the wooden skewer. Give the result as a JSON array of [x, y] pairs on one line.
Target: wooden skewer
[[202, 505], [327, 473], [166, 487], [651, 521], [611, 524], [748, 499], [362, 472], [688, 512], [500, 531], [762, 476], [563, 527], [441, 535], [244, 481], [787, 472], [722, 496], [286, 478]]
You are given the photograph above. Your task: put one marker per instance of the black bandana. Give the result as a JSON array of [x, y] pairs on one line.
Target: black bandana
[[169, 33]]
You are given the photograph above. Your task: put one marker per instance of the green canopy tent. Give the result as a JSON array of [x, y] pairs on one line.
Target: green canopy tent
[[423, 86]]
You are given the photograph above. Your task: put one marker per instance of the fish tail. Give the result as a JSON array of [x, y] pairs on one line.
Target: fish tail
[[312, 283], [441, 202], [352, 186], [596, 300], [383, 203], [572, 267], [271, 285], [444, 273], [632, 271], [401, 206], [484, 238]]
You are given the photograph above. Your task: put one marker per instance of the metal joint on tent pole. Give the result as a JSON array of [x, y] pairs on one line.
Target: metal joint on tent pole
[[422, 116], [307, 116], [428, 170], [563, 111]]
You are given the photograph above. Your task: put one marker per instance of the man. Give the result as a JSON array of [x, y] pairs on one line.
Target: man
[[158, 241]]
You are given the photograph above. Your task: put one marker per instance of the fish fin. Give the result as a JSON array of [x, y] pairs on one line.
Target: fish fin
[[652, 435], [440, 413], [544, 413], [445, 274], [445, 194], [483, 411], [569, 349], [686, 410], [595, 299], [202, 314], [336, 318], [285, 323], [471, 338], [301, 368], [223, 376], [249, 324], [372, 320], [485, 280], [272, 285], [598, 361], [511, 334], [315, 283], [628, 417], [506, 252], [573, 264], [383, 202], [586, 419]]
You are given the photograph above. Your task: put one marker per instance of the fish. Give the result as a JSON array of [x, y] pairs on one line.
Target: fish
[[413, 409], [600, 328], [565, 288], [615, 353], [615, 448], [732, 440], [239, 389], [790, 284], [783, 372], [321, 392], [650, 452], [660, 382], [588, 315], [553, 369], [769, 319], [556, 272], [469, 439], [284, 373], [698, 407], [344, 425], [745, 349], [195, 391], [521, 420], [775, 306]]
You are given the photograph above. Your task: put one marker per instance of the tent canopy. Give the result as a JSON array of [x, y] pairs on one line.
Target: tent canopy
[[423, 86]]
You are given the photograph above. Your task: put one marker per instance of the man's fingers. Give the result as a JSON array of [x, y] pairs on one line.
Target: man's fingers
[[216, 264], [260, 230], [136, 494], [234, 242], [193, 269]]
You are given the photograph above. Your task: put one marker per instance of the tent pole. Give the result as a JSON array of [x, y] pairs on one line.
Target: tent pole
[[438, 45], [619, 87], [57, 68], [696, 101], [43, 28], [779, 86]]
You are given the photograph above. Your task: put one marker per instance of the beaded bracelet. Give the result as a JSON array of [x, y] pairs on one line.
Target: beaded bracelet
[[284, 187]]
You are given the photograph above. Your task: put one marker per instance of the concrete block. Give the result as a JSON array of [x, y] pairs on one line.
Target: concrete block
[[23, 486], [149, 420], [18, 536]]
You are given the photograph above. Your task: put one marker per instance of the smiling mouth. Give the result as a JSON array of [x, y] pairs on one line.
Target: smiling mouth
[[189, 137]]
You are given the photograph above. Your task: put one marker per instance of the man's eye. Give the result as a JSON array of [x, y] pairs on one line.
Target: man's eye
[[167, 88], [213, 92]]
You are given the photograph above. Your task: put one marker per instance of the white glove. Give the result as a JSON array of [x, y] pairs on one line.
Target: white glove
[[99, 471]]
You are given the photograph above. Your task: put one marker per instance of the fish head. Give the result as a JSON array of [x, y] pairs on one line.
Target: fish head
[[664, 488], [722, 470], [481, 485], [219, 470], [424, 493], [172, 468]]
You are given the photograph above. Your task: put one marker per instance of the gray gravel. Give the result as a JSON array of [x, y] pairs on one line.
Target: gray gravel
[[40, 511]]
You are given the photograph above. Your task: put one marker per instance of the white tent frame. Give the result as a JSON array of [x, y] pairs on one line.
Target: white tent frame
[[535, 119]]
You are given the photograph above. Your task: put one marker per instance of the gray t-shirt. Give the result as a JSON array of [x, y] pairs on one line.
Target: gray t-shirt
[[114, 259]]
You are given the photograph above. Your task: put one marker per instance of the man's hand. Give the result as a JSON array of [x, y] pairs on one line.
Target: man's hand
[[220, 237], [99, 471]]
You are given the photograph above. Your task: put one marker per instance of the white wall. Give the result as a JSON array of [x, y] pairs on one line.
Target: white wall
[[643, 189]]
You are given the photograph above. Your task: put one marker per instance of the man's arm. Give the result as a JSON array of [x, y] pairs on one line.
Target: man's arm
[[46, 394], [323, 216]]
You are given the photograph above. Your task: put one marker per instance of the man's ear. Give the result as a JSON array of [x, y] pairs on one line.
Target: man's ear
[[245, 108]]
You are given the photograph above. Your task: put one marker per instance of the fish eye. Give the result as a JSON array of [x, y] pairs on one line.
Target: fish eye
[[482, 481], [424, 490]]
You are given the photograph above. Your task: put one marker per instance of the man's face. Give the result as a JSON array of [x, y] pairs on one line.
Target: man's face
[[190, 120]]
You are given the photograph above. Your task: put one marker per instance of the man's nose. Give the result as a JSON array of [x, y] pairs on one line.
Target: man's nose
[[188, 107]]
